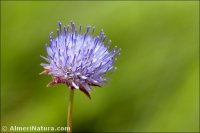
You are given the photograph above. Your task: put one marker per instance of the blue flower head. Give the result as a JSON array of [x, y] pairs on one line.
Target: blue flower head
[[79, 60]]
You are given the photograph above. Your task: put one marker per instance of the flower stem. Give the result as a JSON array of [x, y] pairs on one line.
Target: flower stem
[[69, 122]]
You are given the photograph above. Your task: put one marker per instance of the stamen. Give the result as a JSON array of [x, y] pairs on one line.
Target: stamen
[[51, 39], [65, 30], [80, 28], [73, 27], [88, 28], [58, 33], [60, 27], [104, 38], [93, 29]]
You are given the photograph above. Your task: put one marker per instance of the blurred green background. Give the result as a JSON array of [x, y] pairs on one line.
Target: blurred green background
[[156, 85]]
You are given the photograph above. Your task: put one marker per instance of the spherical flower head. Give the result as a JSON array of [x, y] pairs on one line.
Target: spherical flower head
[[79, 60]]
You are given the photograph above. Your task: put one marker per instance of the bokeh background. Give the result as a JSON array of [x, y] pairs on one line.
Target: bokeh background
[[156, 85]]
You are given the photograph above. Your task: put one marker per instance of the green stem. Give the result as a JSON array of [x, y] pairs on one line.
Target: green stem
[[69, 122]]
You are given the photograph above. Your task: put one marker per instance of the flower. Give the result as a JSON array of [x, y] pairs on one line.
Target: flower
[[79, 60]]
